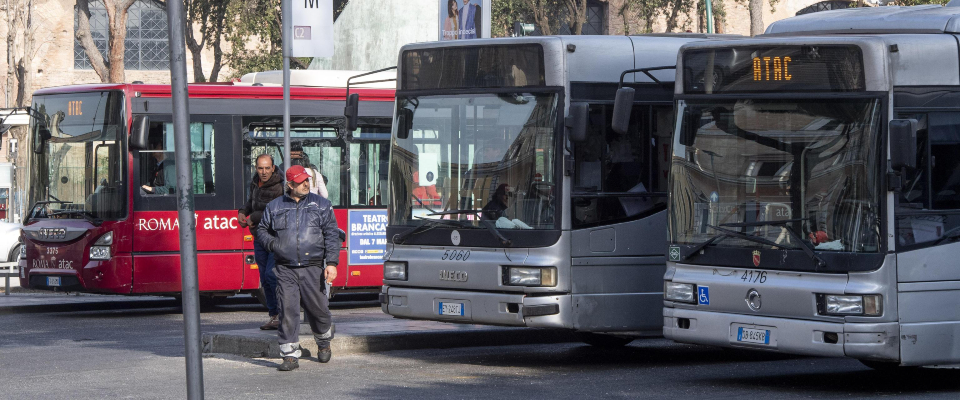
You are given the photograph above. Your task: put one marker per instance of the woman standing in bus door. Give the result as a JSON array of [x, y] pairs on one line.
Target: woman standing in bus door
[[266, 186]]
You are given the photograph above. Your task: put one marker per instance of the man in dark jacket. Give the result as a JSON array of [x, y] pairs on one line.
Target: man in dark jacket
[[266, 186], [301, 232]]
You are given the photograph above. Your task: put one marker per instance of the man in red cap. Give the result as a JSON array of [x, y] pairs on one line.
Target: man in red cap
[[301, 231]]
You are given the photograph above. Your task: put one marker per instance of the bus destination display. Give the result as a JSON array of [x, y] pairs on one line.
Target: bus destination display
[[473, 67], [760, 69]]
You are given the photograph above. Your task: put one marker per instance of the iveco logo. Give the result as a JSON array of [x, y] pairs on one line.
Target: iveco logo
[[457, 276], [753, 300], [52, 233]]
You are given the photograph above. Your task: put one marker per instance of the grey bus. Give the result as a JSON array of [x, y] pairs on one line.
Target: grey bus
[[513, 202], [815, 189]]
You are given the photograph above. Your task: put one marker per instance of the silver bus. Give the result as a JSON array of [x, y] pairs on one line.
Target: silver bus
[[514, 202], [815, 189]]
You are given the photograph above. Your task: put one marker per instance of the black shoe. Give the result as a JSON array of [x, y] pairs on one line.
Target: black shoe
[[272, 324], [323, 354], [290, 364]]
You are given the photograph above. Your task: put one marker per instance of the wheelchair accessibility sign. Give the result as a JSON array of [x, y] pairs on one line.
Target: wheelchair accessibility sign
[[703, 295]]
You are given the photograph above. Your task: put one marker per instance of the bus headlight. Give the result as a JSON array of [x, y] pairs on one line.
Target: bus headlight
[[832, 304], [680, 292], [395, 270], [530, 276], [101, 248]]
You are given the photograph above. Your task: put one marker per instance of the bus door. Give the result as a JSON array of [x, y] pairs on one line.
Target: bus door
[[156, 228], [618, 197], [315, 146], [366, 219]]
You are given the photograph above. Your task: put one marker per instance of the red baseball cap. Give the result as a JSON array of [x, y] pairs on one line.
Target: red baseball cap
[[297, 174]]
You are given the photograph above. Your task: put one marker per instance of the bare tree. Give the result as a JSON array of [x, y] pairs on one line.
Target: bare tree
[[576, 15], [111, 69]]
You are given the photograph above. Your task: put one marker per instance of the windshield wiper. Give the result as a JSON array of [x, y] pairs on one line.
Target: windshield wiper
[[87, 215], [725, 233], [428, 224], [700, 246], [784, 223], [455, 212], [434, 212]]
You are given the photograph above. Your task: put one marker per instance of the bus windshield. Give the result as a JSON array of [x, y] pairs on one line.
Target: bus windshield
[[476, 157], [79, 159], [783, 171]]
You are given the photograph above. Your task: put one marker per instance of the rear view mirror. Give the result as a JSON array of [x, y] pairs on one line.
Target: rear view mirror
[[689, 125], [140, 133], [404, 122], [622, 106], [351, 111], [903, 144], [576, 122], [43, 135]]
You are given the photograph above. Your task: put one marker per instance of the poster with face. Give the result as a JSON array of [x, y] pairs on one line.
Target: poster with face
[[464, 19]]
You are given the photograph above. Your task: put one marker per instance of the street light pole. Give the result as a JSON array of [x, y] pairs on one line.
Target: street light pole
[[190, 288], [709, 11], [287, 38]]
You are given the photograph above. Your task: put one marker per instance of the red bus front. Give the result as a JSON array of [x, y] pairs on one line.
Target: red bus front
[[101, 222]]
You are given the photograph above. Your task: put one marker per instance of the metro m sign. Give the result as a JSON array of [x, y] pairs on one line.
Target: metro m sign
[[312, 28]]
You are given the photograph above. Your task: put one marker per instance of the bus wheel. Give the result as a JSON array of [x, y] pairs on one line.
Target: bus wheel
[[260, 296], [884, 366], [603, 341]]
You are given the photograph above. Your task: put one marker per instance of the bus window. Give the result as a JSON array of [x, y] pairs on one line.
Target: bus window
[[317, 147], [368, 173], [934, 184], [157, 165], [608, 162]]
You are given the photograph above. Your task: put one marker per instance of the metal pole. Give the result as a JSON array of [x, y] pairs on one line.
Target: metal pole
[[286, 37], [709, 16], [185, 206]]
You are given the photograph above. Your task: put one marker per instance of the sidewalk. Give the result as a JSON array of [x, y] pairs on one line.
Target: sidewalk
[[383, 334]]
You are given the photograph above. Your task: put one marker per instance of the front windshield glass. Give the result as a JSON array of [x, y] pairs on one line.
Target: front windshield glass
[[78, 164], [476, 157], [791, 170]]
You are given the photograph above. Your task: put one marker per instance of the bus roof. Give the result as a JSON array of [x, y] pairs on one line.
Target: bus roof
[[873, 20], [321, 78], [228, 90], [592, 58]]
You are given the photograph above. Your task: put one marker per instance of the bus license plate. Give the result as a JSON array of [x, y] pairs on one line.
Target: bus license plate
[[747, 335], [451, 309], [53, 281]]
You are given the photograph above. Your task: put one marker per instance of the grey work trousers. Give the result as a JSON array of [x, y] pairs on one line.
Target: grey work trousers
[[296, 286]]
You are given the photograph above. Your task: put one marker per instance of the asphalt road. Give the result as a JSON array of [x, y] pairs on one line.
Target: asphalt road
[[134, 349]]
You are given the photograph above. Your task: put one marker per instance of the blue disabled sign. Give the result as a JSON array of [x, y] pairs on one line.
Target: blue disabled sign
[[367, 236], [703, 295]]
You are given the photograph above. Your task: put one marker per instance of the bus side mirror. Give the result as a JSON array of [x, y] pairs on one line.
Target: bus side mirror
[[903, 144], [43, 135], [404, 123], [576, 122], [689, 125], [140, 133], [352, 111], [622, 106]]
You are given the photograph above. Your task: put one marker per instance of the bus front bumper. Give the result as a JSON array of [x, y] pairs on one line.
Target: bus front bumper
[[869, 341], [553, 311]]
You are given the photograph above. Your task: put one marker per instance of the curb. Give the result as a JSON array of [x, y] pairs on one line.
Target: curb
[[263, 344]]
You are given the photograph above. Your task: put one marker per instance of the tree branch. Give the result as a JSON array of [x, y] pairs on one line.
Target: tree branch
[[86, 40]]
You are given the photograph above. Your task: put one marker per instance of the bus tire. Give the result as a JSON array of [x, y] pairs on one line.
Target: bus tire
[[603, 341], [260, 296], [883, 366]]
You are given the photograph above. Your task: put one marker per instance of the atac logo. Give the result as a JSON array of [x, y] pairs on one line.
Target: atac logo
[[756, 258]]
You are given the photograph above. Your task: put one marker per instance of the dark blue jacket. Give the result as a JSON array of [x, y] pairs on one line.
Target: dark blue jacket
[[300, 233]]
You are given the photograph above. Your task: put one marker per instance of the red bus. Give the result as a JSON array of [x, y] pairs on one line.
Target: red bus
[[93, 228]]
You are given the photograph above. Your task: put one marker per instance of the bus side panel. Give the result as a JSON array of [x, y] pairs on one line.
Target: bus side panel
[[160, 273], [365, 276], [928, 330], [158, 231], [617, 276], [251, 271]]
